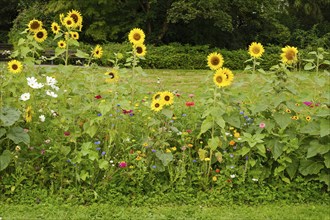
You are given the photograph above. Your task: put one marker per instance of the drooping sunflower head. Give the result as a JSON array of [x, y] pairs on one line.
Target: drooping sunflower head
[[15, 66], [40, 36], [229, 74], [215, 60], [156, 96], [140, 50], [55, 28], [35, 25], [289, 55], [167, 98], [28, 114], [256, 50], [220, 78], [68, 22], [112, 76], [97, 52], [157, 105], [61, 44], [76, 17], [136, 36], [74, 35]]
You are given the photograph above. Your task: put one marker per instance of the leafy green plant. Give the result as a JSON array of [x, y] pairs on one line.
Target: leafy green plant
[[317, 60]]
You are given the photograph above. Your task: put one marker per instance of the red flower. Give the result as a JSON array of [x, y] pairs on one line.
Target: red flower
[[190, 104], [188, 130], [122, 164], [67, 133], [217, 170], [127, 111], [98, 97]]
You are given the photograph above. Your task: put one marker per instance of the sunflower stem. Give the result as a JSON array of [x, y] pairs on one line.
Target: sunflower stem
[[254, 65]]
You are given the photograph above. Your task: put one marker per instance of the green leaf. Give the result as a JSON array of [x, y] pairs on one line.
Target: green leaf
[[283, 120], [83, 175], [9, 116], [327, 160], [206, 125], [244, 151], [324, 127], [233, 119], [93, 155], [18, 135], [220, 122], [85, 148], [326, 62], [59, 51], [312, 128], [25, 51], [168, 113], [58, 35], [324, 177], [65, 150], [261, 149], [5, 159], [292, 168], [21, 41], [90, 129], [309, 66], [308, 167], [103, 164], [166, 158], [277, 149], [316, 148], [213, 143], [81, 54], [2, 132]]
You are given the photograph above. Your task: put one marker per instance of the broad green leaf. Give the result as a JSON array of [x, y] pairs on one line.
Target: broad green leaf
[[324, 127], [244, 151], [90, 129], [168, 113], [166, 158], [316, 148], [85, 148], [9, 116], [82, 54], [259, 107], [277, 149], [84, 175], [324, 177], [213, 143], [21, 41], [93, 155], [292, 168], [5, 159], [103, 164], [285, 179], [24, 51], [18, 135], [206, 125], [327, 160], [261, 149], [308, 167], [327, 62], [58, 35], [220, 122], [59, 51], [312, 128], [65, 150], [233, 119], [309, 66], [2, 132], [104, 108], [283, 120]]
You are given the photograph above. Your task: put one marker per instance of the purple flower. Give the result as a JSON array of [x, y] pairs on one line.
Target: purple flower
[[103, 153], [98, 148], [153, 150], [241, 112], [194, 161], [154, 166], [99, 114], [97, 142]]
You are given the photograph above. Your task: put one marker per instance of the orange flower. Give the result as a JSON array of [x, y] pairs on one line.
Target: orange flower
[[232, 143]]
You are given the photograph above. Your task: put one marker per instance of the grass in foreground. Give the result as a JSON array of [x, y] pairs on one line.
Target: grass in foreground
[[103, 211]]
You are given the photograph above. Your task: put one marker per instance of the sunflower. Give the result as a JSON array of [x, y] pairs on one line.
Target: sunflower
[[28, 114], [287, 110], [140, 50], [136, 36], [289, 55], [97, 52], [229, 74], [215, 60], [76, 17], [113, 76], [157, 105], [167, 98], [35, 25], [15, 66], [55, 28], [295, 117], [256, 50], [308, 118], [74, 35], [220, 78], [68, 22], [61, 44], [40, 36], [156, 96]]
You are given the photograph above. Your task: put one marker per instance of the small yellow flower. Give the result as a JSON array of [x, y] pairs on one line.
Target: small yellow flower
[[214, 178], [295, 117], [17, 148], [237, 135], [173, 148], [288, 110], [308, 118], [138, 158], [190, 145], [145, 144], [168, 150], [207, 159]]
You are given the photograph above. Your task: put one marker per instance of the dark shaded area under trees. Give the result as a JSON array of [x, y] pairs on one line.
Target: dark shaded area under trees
[[230, 24]]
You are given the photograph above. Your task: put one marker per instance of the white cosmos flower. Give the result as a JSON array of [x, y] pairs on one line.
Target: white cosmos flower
[[51, 93], [51, 81], [254, 179], [32, 82], [232, 176], [54, 87], [25, 96], [42, 118]]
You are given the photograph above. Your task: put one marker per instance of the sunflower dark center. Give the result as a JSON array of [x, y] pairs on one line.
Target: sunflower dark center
[[97, 52], [219, 79], [167, 98], [157, 105], [112, 75], [14, 66], [35, 25], [256, 50], [137, 36], [55, 28], [74, 17], [40, 34], [290, 55], [139, 50], [157, 96], [68, 22], [215, 61]]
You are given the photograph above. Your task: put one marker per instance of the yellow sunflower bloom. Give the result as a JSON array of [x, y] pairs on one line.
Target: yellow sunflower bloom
[[289, 55], [157, 105], [28, 114], [167, 98], [308, 118], [35, 25], [140, 50], [74, 35], [55, 28], [97, 52], [76, 17], [215, 61], [136, 36], [61, 44], [15, 66], [220, 78], [113, 76], [157, 96], [40, 36], [256, 50], [68, 22], [229, 74]]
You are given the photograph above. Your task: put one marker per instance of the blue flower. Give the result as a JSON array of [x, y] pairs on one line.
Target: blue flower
[[184, 115], [99, 114], [97, 142], [241, 112], [103, 153], [154, 166], [153, 150], [194, 161], [98, 148]]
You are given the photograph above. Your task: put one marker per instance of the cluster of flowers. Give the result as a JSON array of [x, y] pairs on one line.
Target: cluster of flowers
[[223, 76], [136, 36], [161, 99]]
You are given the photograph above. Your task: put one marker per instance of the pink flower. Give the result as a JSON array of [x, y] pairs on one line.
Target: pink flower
[[311, 104], [191, 95], [67, 133], [262, 125], [122, 164]]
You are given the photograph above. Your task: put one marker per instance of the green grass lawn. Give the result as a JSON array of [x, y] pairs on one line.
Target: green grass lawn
[[104, 211]]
